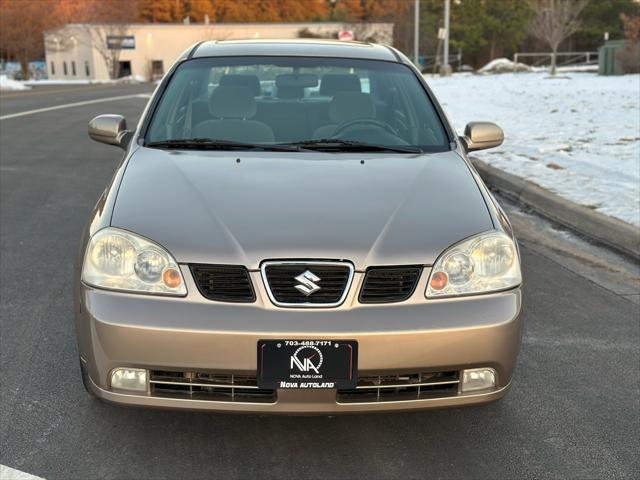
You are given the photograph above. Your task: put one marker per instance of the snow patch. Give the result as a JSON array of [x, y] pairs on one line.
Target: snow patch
[[7, 84], [127, 79], [504, 65], [579, 138]]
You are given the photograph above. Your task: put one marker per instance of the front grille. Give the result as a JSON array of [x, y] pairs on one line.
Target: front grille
[[333, 280], [209, 386], [396, 388], [224, 283], [389, 284]]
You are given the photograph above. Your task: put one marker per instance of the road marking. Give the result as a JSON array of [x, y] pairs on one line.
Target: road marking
[[76, 104], [8, 473], [43, 91]]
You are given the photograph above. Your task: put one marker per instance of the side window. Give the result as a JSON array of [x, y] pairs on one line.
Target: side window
[[64, 67], [427, 128], [174, 116], [73, 68], [391, 106], [53, 68], [86, 68]]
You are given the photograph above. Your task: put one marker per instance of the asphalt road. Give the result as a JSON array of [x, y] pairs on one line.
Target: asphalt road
[[573, 411]]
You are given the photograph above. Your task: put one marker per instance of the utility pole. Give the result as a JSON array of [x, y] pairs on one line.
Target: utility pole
[[445, 69], [416, 32]]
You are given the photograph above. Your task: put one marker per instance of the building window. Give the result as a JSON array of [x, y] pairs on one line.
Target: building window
[[86, 68], [73, 68], [64, 67], [53, 68]]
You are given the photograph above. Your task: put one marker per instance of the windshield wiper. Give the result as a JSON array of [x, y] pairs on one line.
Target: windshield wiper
[[210, 144], [334, 144]]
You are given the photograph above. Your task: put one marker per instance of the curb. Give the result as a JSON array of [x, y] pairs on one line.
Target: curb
[[612, 232]]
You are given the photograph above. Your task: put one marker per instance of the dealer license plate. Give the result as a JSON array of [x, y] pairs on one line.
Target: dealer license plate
[[307, 364]]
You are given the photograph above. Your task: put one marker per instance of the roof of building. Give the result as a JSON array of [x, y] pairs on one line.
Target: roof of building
[[296, 47]]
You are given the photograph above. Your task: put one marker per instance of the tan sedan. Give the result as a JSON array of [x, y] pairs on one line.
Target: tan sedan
[[295, 228]]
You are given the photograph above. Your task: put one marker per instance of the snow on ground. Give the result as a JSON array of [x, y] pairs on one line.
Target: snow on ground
[[7, 84], [577, 135], [127, 79], [504, 65]]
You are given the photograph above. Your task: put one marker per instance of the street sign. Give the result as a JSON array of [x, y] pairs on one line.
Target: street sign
[[442, 33], [345, 35]]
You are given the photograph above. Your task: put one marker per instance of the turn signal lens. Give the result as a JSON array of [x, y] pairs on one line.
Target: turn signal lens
[[438, 280], [172, 278]]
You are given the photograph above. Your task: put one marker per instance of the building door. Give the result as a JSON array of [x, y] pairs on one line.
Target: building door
[[157, 69], [124, 69]]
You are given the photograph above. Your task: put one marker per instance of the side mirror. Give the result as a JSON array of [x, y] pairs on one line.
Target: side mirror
[[481, 135], [110, 129]]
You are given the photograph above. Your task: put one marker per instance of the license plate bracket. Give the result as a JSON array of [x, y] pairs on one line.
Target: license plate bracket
[[307, 364]]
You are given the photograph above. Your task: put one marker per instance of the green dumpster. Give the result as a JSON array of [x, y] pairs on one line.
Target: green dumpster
[[611, 57]]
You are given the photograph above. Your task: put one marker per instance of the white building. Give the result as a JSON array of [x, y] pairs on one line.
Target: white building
[[146, 51]]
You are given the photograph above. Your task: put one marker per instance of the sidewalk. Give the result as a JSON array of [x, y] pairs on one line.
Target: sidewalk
[[608, 230]]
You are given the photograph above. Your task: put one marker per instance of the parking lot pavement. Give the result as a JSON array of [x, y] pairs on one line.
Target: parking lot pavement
[[573, 410], [47, 96]]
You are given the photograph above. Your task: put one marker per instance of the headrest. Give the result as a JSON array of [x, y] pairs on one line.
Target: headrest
[[242, 80], [347, 106], [332, 83], [292, 85], [232, 102]]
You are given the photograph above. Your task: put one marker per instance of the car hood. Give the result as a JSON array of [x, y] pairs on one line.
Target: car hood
[[242, 208]]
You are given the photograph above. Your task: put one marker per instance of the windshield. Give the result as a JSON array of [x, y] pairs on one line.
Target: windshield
[[311, 103]]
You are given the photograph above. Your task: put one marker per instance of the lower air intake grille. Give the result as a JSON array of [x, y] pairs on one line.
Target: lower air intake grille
[[209, 386], [307, 283], [389, 284], [396, 388], [224, 283]]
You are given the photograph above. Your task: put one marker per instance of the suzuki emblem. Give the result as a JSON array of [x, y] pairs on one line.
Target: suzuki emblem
[[306, 283]]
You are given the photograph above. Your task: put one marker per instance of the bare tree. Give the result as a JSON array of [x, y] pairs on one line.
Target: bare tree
[[102, 25], [629, 57], [21, 27], [105, 27], [555, 21], [107, 39]]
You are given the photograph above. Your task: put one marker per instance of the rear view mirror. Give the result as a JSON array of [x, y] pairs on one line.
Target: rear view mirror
[[481, 135], [110, 129], [299, 80]]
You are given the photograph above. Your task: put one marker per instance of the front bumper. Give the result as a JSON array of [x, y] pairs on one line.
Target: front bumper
[[195, 334]]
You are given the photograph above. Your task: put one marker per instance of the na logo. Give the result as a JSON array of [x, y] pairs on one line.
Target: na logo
[[306, 359]]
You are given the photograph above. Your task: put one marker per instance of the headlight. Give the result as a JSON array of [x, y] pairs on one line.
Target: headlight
[[120, 260], [484, 263]]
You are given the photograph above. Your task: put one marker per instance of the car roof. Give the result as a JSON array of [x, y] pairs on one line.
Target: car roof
[[297, 47]]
